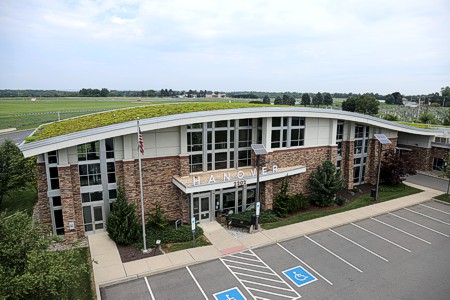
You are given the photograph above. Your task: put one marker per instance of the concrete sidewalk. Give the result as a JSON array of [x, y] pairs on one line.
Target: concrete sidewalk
[[108, 267]]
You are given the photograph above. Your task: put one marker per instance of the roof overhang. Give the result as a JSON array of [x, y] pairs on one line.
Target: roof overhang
[[81, 137], [231, 178]]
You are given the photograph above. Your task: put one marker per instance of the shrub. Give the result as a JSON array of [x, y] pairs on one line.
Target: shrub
[[28, 270], [298, 202], [391, 117], [122, 223], [169, 234], [341, 201], [324, 184], [280, 207], [157, 217]]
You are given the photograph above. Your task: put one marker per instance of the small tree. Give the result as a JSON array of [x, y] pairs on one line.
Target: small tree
[[327, 99], [122, 223], [28, 270], [278, 101], [16, 172], [394, 167], [427, 118], [157, 217], [306, 99], [324, 184], [266, 99], [280, 207]]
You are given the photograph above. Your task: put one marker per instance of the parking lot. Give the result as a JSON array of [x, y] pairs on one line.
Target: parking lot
[[404, 254]]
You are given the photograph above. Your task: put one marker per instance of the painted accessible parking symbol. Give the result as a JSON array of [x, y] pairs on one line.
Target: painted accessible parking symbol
[[231, 294], [299, 276]]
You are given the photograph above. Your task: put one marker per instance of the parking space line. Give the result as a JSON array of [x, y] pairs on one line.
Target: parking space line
[[379, 236], [308, 266], [196, 282], [427, 216], [444, 212], [272, 293], [266, 285], [334, 254], [243, 278], [402, 231], [242, 263], [259, 277], [256, 271], [361, 246], [244, 258], [420, 225], [149, 289]]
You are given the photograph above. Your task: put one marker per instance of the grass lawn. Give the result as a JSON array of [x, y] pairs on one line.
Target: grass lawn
[[386, 193], [82, 289], [22, 200], [443, 197]]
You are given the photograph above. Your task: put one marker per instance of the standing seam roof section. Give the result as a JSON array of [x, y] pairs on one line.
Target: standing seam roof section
[[188, 118]]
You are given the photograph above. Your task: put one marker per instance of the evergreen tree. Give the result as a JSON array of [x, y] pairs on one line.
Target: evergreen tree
[[122, 223], [281, 205], [278, 101], [306, 99], [327, 99], [324, 184], [266, 99]]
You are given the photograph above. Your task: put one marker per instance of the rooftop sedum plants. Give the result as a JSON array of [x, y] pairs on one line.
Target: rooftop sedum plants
[[124, 115]]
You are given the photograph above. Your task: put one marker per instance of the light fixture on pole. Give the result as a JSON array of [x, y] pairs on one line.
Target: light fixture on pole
[[383, 141], [259, 150]]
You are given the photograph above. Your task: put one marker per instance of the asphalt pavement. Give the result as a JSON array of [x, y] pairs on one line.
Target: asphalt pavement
[[403, 254], [17, 136], [436, 183]]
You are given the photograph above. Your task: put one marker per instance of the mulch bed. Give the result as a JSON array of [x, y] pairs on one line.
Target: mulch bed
[[364, 189], [131, 253]]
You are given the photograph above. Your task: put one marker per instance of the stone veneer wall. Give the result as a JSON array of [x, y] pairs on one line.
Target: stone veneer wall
[[157, 176], [66, 187], [347, 162], [438, 153], [308, 157], [42, 207], [422, 157]]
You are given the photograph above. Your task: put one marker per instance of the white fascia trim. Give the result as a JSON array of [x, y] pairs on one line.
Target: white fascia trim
[[126, 128], [228, 184]]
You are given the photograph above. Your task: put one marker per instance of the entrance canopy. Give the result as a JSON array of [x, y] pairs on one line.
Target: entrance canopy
[[224, 179]]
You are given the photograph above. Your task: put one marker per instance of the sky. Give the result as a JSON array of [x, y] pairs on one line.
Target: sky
[[379, 46]]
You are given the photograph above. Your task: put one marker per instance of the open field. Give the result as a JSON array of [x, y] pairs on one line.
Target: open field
[[22, 113]]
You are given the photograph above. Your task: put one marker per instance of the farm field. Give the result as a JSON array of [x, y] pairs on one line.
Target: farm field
[[22, 113]]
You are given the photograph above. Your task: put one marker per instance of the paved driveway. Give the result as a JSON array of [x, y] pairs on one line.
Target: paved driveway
[[400, 255], [17, 136]]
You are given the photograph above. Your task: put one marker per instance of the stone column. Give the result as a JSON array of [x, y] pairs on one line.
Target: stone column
[[68, 208], [42, 207]]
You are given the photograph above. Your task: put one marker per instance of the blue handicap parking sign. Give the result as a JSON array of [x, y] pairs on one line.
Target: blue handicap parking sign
[[231, 294], [299, 276]]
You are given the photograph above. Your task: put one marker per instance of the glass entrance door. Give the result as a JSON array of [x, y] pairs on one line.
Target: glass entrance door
[[200, 207], [93, 218]]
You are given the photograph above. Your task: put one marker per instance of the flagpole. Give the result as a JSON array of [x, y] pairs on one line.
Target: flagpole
[[140, 186]]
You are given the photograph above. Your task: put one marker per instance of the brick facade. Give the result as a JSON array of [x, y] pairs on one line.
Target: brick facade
[[42, 208], [308, 157], [157, 176], [422, 156]]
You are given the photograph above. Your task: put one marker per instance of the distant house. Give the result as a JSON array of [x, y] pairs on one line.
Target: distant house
[[33, 99], [407, 103]]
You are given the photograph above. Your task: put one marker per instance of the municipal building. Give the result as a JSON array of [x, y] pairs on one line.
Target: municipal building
[[201, 164]]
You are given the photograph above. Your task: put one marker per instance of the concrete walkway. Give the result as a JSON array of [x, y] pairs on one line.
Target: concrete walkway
[[108, 267]]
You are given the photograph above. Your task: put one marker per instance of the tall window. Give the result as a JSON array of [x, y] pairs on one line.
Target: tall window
[[89, 151], [219, 145], [339, 139], [288, 132], [52, 169], [360, 153], [90, 174]]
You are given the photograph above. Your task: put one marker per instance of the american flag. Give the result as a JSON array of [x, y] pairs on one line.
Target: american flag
[[141, 142]]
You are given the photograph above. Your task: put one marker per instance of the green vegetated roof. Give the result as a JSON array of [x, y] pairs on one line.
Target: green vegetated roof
[[128, 114]]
